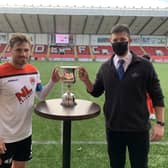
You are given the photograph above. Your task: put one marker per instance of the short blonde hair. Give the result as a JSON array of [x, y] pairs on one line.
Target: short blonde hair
[[19, 38]]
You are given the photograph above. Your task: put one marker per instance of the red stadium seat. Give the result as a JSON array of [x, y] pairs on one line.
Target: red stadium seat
[[101, 53], [7, 53], [138, 50], [40, 52], [153, 50], [2, 47], [83, 53], [62, 53]]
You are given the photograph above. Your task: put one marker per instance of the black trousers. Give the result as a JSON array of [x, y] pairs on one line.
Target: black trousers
[[137, 144]]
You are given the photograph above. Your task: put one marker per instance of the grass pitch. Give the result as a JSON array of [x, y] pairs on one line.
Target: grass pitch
[[88, 149]]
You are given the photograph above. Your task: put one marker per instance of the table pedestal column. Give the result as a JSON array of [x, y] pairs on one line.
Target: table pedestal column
[[66, 143]]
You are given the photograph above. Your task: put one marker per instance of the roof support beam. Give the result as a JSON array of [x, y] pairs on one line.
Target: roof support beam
[[40, 26], [7, 20], [54, 23], [24, 23], [69, 24], [159, 26], [133, 20], [147, 22], [84, 25], [117, 20], [100, 23]]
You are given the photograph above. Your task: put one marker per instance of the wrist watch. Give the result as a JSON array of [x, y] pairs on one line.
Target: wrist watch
[[161, 123]]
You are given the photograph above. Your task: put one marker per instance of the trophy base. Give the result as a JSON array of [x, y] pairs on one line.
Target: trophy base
[[68, 104], [68, 100]]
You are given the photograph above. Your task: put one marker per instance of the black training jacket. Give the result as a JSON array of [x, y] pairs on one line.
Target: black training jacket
[[125, 107]]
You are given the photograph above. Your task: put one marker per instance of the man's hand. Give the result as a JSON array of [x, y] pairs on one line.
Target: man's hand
[[55, 75], [2, 146], [157, 133], [83, 75]]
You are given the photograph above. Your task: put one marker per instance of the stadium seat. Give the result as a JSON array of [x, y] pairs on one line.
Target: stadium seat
[[40, 52], [138, 50], [101, 53], [61, 53], [83, 53], [156, 50], [2, 47]]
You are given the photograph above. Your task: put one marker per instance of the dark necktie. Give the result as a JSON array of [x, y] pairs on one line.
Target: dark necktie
[[120, 69]]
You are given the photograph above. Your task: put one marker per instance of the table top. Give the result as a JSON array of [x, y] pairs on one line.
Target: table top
[[53, 109]]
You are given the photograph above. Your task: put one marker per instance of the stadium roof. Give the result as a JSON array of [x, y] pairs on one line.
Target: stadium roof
[[91, 3], [82, 20]]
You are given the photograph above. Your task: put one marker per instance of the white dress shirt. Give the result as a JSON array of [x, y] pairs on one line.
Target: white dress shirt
[[126, 58]]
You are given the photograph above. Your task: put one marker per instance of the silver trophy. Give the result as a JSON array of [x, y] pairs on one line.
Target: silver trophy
[[68, 78]]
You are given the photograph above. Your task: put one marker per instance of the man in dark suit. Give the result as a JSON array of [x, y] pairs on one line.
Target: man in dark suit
[[125, 79]]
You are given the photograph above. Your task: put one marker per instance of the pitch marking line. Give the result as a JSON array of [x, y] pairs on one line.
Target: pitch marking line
[[88, 142]]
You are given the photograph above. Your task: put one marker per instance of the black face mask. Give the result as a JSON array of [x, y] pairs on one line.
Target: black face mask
[[120, 48]]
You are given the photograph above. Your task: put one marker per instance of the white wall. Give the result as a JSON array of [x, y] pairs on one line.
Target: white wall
[[100, 39], [45, 39], [41, 39], [82, 40], [3, 38]]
